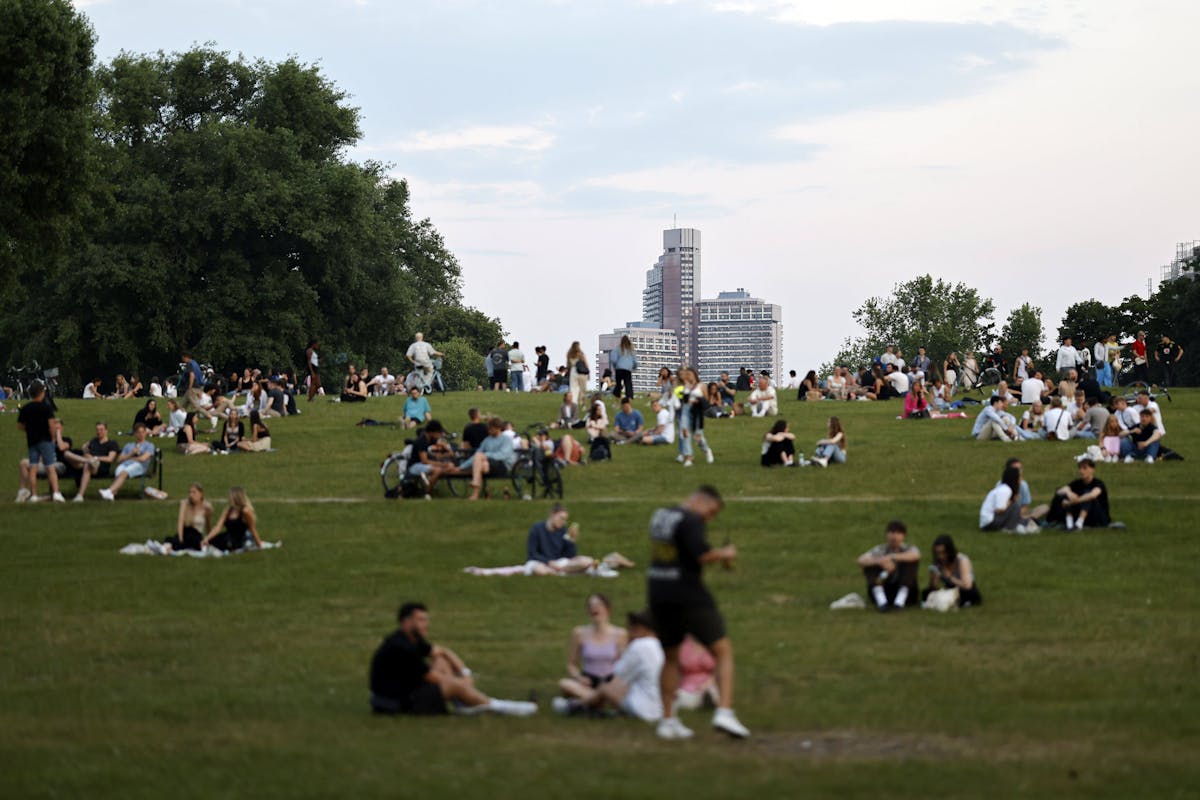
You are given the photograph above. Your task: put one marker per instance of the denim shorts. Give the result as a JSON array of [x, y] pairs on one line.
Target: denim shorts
[[42, 452], [134, 469]]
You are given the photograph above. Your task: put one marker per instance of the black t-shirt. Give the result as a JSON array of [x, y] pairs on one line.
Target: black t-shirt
[[420, 445], [499, 357], [474, 434], [1143, 433], [1168, 352], [543, 366], [677, 542], [101, 449], [398, 667], [278, 401], [1090, 388], [36, 416], [1080, 488]]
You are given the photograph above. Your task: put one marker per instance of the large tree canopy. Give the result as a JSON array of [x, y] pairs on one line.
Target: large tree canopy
[[226, 220]]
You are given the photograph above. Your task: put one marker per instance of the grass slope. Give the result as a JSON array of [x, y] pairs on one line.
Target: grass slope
[[145, 677]]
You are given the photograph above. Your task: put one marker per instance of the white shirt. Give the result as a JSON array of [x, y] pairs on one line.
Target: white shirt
[[172, 391], [898, 380], [638, 668], [1101, 352], [155, 390], [88, 392], [887, 358], [665, 420], [1023, 365], [766, 395], [1058, 422], [996, 501], [792, 383], [1067, 358], [177, 418], [1032, 390], [384, 380], [1153, 407], [422, 352]]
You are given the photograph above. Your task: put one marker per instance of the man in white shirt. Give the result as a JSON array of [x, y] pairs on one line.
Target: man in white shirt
[[793, 382], [1144, 403], [1067, 358], [898, 379], [1033, 389], [634, 687], [420, 354], [664, 426], [889, 357], [1127, 418], [384, 383], [762, 400]]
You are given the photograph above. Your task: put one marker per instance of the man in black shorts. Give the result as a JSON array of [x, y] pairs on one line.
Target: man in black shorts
[[680, 604], [411, 676]]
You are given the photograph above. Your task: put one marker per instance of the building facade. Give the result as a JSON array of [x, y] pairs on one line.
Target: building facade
[[673, 286], [1185, 253], [655, 347], [736, 330]]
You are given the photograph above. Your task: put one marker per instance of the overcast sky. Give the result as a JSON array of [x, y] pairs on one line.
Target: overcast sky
[[1041, 152]]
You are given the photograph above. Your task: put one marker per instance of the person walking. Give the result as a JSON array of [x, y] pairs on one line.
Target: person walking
[[578, 370], [624, 361], [312, 362], [680, 604]]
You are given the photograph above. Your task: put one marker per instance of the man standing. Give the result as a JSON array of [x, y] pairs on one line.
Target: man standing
[[411, 676], [1066, 359], [193, 383], [891, 569], [1141, 368], [498, 356], [543, 365], [1168, 354], [516, 368], [133, 462], [36, 419], [922, 365], [420, 354], [680, 604]]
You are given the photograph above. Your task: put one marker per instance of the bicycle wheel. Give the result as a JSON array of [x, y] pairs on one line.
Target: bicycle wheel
[[990, 377], [524, 478], [391, 474], [552, 482]]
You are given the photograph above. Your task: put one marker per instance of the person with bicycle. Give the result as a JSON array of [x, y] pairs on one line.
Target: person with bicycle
[[996, 360]]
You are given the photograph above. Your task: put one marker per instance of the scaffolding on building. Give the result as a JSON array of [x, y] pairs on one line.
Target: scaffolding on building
[[1185, 252]]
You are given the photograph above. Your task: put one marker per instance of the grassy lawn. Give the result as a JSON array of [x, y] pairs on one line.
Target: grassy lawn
[[150, 677]]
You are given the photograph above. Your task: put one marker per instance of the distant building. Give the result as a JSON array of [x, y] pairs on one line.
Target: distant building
[[1184, 251], [655, 347], [673, 286], [736, 330]]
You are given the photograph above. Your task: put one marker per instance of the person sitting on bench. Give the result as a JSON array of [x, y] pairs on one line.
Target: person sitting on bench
[[134, 462]]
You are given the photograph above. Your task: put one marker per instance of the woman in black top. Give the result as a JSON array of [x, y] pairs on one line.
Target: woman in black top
[[185, 440], [148, 415], [232, 431], [809, 384], [779, 446], [237, 526]]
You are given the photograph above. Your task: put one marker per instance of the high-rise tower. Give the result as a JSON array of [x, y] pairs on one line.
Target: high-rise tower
[[673, 287]]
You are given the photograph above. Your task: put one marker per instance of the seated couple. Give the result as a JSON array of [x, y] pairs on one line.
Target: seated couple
[[779, 446], [551, 549], [1006, 507], [409, 675], [891, 569], [432, 457], [236, 528], [607, 672]]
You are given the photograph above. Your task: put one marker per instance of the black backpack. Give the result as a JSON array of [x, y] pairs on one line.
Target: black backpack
[[601, 449]]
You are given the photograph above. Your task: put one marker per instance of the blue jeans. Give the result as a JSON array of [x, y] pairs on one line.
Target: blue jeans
[[516, 380], [832, 452], [1129, 448], [42, 452]]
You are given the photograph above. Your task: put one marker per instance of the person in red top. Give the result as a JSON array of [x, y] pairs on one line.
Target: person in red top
[[1141, 367]]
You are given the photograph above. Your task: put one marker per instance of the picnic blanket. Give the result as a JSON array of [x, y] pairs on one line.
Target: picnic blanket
[[603, 571], [153, 548]]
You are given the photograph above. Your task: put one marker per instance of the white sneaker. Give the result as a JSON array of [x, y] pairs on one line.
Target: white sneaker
[[107, 494], [821, 462], [1149, 459], [605, 571], [679, 458], [513, 708], [1128, 459], [33, 498], [672, 728], [1070, 522], [725, 721], [561, 705], [687, 463], [77, 498], [708, 456], [23, 495], [58, 497], [1030, 527]]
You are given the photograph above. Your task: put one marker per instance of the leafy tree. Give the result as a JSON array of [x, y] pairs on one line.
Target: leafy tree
[[443, 322], [1177, 311], [462, 368], [47, 95], [1022, 329], [921, 312]]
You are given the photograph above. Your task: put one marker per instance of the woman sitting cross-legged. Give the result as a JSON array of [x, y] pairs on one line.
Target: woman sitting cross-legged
[[833, 446], [634, 686], [185, 439], [594, 650], [232, 431], [260, 436], [779, 446], [952, 570], [148, 415], [195, 518], [237, 528]]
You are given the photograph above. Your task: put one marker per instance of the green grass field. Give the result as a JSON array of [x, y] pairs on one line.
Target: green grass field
[[126, 676]]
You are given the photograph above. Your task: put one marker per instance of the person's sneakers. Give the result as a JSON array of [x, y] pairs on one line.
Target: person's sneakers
[[107, 494], [23, 495], [1149, 459], [708, 456], [58, 497], [77, 498], [33, 498], [1070, 522], [1117, 525], [725, 721], [1029, 527], [566, 707], [512, 708], [605, 571], [1128, 459], [821, 462], [679, 458], [672, 728], [687, 463]]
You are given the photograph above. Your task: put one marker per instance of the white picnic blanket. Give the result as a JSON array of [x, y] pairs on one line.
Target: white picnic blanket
[[153, 548]]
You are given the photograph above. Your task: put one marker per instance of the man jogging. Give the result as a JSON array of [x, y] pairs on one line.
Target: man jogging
[[680, 604]]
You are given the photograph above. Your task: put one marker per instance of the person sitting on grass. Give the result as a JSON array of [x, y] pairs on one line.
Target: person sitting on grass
[[634, 688], [232, 431], [237, 528], [1083, 503], [833, 446], [890, 570], [260, 436], [96, 461], [916, 404], [994, 422], [594, 650], [36, 419], [1001, 509], [568, 413], [628, 424], [148, 415], [550, 549], [596, 423], [1141, 441], [409, 675], [416, 409], [195, 518], [133, 462], [355, 388], [762, 400], [185, 439], [664, 425], [952, 570], [494, 457], [779, 446]]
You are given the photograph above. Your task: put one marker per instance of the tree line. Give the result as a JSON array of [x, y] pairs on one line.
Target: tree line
[[944, 317], [204, 202]]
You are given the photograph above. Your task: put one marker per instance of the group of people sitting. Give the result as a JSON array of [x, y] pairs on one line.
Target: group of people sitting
[[892, 571], [1082, 503], [779, 446]]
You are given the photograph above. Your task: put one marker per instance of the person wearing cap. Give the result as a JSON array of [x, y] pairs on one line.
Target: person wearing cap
[[634, 688]]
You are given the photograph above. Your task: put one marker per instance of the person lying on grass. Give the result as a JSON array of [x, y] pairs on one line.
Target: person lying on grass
[[594, 650], [890, 570], [550, 549], [952, 570], [409, 675], [634, 688]]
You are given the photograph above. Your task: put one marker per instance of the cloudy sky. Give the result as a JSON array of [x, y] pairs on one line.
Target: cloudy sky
[[1041, 152]]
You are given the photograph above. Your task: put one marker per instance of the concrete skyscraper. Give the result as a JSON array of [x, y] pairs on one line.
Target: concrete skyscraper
[[736, 330], [673, 287]]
